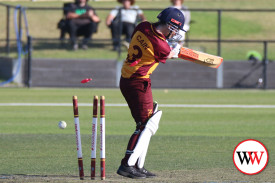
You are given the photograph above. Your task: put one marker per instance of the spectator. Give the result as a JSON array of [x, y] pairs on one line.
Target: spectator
[[129, 16], [82, 20], [179, 5]]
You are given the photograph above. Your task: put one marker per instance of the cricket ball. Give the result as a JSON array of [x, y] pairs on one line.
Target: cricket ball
[[62, 124]]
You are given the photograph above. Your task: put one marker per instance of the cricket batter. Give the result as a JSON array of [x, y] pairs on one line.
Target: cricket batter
[[148, 47]]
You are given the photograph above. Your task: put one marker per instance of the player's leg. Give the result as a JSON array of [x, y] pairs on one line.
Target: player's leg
[[140, 150], [141, 159], [140, 102], [141, 107], [138, 95]]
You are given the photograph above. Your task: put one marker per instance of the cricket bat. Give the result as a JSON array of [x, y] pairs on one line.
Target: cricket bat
[[201, 58]]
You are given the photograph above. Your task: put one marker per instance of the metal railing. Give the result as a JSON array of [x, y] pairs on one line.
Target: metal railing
[[218, 40]]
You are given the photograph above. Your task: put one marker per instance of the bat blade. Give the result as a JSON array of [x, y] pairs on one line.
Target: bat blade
[[201, 58]]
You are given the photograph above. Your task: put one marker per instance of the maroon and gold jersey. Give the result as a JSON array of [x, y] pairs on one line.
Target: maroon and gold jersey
[[146, 50]]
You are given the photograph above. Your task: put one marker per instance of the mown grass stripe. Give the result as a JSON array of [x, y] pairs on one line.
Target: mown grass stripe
[[161, 105]]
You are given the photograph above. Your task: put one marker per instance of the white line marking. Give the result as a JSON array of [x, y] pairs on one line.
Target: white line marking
[[161, 105]]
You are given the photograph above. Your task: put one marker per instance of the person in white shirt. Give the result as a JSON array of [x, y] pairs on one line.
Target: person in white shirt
[[128, 17]]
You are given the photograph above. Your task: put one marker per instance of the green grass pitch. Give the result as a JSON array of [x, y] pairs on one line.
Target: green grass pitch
[[193, 144]]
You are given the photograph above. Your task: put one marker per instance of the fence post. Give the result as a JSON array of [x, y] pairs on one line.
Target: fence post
[[265, 62], [29, 75], [8, 31], [187, 39], [120, 32], [219, 76], [20, 24]]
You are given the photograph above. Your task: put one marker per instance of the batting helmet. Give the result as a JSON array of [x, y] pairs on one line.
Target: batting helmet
[[172, 16]]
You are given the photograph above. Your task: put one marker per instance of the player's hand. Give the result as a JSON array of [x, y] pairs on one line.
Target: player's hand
[[176, 50]]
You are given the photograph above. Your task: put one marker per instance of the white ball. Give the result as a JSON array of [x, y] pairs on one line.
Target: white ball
[[62, 124]]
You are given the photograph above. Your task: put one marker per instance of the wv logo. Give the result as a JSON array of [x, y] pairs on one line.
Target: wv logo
[[248, 156]]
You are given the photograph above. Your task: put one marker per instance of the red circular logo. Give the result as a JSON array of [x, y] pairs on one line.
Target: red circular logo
[[250, 157]]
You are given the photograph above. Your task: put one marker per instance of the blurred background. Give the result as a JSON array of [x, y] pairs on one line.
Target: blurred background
[[240, 31]]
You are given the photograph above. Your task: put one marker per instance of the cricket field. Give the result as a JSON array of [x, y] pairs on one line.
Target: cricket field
[[198, 133]]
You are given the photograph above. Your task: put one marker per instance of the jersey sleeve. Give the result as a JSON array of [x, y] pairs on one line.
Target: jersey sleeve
[[162, 53]]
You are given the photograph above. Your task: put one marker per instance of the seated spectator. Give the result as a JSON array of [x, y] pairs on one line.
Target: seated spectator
[[81, 20], [187, 15], [129, 16]]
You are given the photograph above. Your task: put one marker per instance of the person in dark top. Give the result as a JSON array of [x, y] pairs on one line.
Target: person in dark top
[[82, 19]]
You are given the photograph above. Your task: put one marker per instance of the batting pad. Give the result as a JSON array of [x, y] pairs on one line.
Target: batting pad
[[153, 122], [141, 148]]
